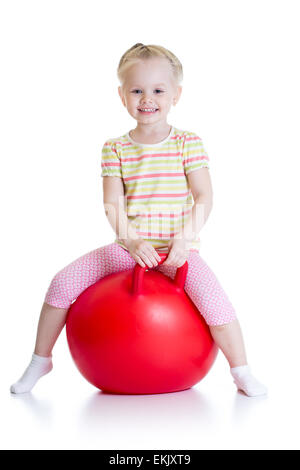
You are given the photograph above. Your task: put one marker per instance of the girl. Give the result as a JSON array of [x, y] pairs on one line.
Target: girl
[[157, 195]]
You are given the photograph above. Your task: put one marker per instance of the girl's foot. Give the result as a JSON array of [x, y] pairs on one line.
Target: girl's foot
[[38, 367], [246, 382]]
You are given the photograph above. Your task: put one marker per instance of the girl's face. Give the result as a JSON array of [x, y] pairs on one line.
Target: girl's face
[[149, 84]]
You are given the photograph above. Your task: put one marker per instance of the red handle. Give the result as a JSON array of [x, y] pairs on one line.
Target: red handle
[[139, 271]]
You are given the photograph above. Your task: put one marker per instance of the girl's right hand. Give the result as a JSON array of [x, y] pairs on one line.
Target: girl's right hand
[[143, 252]]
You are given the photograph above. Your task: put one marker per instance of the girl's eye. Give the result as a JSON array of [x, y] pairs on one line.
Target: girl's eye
[[137, 91]]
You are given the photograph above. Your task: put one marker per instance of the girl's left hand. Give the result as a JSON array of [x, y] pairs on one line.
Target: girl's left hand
[[178, 253]]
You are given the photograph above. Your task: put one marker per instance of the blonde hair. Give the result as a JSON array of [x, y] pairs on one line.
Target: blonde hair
[[141, 52]]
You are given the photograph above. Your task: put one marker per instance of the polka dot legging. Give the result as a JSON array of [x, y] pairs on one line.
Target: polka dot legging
[[201, 284]]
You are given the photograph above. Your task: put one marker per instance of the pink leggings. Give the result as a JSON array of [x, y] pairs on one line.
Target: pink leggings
[[201, 284]]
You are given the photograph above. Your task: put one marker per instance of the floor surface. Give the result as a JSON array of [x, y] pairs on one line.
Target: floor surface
[[66, 412]]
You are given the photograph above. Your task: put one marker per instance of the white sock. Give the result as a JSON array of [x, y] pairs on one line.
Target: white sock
[[246, 382], [38, 367]]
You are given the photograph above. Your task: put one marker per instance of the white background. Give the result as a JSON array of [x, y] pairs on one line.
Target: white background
[[59, 103]]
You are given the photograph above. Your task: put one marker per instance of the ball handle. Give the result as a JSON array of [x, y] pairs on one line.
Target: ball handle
[[139, 271]]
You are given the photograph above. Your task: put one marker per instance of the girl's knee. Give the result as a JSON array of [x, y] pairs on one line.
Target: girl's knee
[[72, 280], [221, 322], [218, 328], [57, 294]]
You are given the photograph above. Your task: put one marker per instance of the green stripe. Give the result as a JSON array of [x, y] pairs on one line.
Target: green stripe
[[151, 170], [111, 172], [168, 202], [159, 227], [160, 162], [142, 189]]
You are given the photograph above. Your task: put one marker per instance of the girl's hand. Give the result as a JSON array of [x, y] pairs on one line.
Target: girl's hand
[[143, 252], [178, 253]]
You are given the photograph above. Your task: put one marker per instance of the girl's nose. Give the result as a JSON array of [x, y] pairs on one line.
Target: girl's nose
[[146, 101]]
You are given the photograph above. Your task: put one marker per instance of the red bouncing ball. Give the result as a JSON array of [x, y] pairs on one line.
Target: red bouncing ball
[[137, 332]]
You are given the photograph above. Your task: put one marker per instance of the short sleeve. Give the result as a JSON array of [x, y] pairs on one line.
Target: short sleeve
[[194, 154], [110, 160]]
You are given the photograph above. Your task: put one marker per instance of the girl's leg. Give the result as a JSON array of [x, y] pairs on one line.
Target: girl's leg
[[65, 287], [207, 294], [229, 339], [51, 322]]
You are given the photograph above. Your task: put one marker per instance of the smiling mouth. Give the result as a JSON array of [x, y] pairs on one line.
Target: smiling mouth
[[147, 110]]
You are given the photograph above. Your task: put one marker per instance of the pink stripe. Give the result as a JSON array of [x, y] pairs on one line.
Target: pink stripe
[[111, 164], [177, 136], [144, 196], [193, 138], [158, 235], [194, 159], [152, 175]]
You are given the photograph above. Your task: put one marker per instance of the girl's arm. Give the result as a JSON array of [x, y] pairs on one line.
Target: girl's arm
[[201, 187], [114, 205]]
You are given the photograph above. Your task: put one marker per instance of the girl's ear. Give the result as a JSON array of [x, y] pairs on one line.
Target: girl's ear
[[177, 94], [121, 95]]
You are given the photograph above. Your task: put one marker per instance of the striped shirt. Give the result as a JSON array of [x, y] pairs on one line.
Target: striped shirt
[[158, 199]]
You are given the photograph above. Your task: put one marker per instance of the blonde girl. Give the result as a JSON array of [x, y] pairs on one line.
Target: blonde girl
[[157, 194]]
